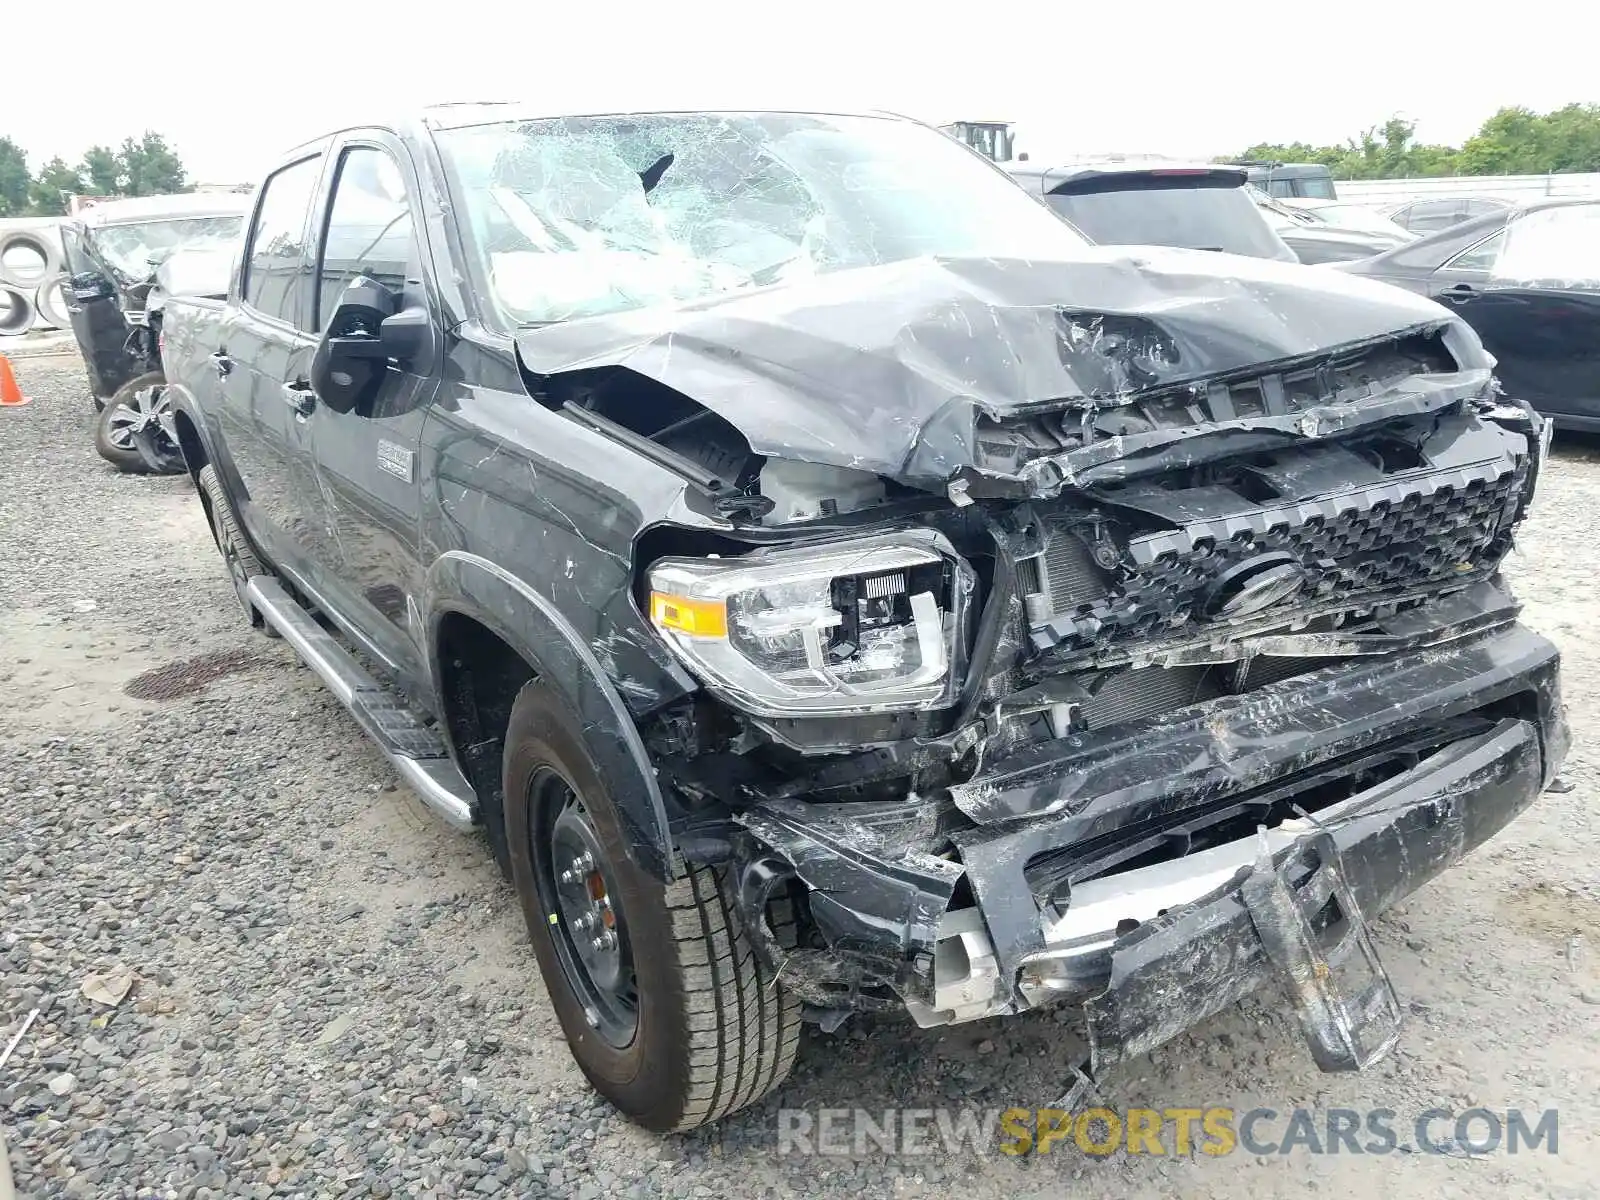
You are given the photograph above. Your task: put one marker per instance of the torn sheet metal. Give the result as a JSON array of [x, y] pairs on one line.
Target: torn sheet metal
[[1337, 534], [879, 894], [875, 897], [1173, 972], [1306, 915], [905, 356], [1100, 780], [1141, 454]]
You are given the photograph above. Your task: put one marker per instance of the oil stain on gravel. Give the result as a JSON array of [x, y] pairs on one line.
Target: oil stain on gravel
[[188, 675]]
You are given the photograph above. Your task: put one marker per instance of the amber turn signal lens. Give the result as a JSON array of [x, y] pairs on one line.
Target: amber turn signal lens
[[697, 618]]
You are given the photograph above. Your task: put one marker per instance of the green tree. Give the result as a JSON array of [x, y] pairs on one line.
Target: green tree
[[1514, 141], [13, 179], [51, 187], [149, 166], [1518, 141], [1384, 151], [102, 171]]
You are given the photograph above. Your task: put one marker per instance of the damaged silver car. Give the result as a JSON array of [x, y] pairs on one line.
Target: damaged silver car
[[836, 587]]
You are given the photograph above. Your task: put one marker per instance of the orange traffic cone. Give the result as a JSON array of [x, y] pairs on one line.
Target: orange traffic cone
[[10, 394]]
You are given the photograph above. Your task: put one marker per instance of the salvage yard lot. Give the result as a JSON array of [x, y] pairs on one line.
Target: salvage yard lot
[[335, 996]]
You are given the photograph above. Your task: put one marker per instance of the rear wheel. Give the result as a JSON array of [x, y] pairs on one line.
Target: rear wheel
[[237, 556], [667, 1008]]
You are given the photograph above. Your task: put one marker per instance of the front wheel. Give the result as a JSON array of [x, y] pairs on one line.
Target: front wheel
[[136, 404], [667, 1008]]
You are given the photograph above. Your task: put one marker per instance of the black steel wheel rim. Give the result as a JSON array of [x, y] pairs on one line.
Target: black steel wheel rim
[[578, 897]]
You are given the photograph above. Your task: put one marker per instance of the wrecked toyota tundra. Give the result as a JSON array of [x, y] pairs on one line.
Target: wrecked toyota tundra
[[836, 587]]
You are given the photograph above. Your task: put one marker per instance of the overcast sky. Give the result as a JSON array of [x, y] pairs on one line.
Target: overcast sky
[[231, 82]]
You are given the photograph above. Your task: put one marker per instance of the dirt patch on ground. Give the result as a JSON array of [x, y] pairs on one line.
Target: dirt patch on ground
[[187, 676], [1554, 912]]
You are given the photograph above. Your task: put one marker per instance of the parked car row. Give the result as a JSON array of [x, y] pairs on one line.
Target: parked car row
[[1541, 324], [836, 585], [1202, 206]]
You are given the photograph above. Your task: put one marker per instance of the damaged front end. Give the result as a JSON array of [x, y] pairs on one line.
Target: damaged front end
[[1137, 698]]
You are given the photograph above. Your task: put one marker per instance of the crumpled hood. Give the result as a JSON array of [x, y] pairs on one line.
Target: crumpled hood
[[885, 369]]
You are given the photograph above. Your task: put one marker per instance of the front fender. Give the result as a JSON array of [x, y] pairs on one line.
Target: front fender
[[474, 587]]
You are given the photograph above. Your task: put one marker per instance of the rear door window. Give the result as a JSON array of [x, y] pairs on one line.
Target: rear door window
[[275, 262], [1177, 210], [1480, 257], [1317, 187], [1429, 215]]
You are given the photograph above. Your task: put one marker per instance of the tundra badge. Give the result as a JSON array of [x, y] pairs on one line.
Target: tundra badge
[[394, 459]]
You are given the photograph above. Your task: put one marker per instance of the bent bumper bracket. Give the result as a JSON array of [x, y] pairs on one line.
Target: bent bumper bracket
[[1310, 932]]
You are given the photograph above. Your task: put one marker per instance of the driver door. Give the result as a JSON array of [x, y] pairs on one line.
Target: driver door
[[368, 558]]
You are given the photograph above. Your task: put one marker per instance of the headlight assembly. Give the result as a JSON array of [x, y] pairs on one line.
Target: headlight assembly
[[874, 626]]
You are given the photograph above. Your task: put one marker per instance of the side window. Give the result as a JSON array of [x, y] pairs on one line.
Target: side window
[[278, 240], [369, 229], [1434, 214], [1480, 257]]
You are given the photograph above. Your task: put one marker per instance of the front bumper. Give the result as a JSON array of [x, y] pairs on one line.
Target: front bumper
[[1154, 949]]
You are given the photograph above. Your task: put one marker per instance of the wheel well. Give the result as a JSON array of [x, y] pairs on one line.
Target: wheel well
[[194, 450], [480, 676]]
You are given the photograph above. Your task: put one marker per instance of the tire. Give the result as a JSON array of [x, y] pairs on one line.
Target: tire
[[110, 439], [237, 555], [713, 1029]]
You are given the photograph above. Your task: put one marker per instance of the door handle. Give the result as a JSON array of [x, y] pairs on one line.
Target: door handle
[[222, 364], [299, 397], [1458, 291]]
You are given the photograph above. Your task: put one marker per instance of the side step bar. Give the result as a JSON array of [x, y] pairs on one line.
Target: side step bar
[[415, 749]]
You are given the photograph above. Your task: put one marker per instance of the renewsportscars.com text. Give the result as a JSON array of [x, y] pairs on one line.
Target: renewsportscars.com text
[[1214, 1131]]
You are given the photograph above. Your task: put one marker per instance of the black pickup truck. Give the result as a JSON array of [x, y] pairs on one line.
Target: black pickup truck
[[836, 587]]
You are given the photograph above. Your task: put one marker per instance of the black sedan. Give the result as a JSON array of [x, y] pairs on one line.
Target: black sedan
[[1528, 280]]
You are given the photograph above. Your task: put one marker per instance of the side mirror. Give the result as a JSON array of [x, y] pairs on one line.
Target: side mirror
[[91, 285], [366, 332]]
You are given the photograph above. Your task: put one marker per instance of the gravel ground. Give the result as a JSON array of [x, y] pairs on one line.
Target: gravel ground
[[333, 995]]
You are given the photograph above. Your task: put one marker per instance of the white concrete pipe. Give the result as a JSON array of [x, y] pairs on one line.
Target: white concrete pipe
[[28, 257], [16, 311], [50, 304]]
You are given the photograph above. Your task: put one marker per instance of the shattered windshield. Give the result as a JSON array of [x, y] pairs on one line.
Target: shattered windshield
[[576, 217], [127, 248]]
